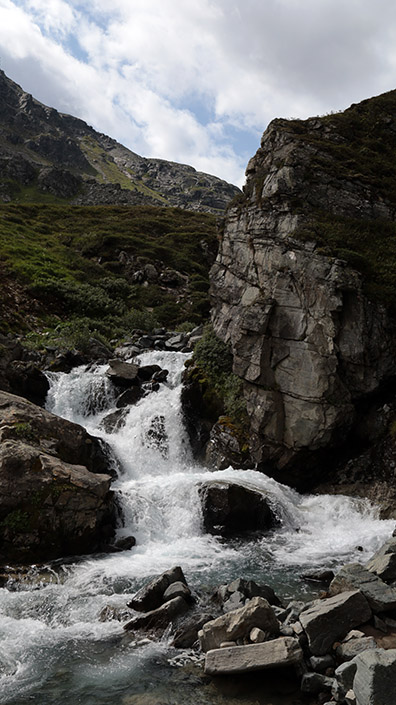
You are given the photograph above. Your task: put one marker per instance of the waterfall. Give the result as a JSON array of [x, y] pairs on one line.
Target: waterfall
[[53, 645]]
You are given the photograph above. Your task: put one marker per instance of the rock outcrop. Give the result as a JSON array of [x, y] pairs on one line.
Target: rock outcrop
[[297, 295], [55, 497]]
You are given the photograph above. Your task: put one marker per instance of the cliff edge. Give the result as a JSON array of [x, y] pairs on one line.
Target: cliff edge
[[303, 286]]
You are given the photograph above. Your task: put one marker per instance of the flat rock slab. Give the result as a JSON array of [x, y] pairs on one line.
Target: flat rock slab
[[354, 576], [375, 679], [239, 623], [123, 373], [281, 652], [331, 619]]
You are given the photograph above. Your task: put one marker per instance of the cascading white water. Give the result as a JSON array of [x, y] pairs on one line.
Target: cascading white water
[[53, 646]]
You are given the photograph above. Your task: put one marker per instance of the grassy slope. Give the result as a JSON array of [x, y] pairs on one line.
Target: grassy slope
[[361, 148], [64, 263]]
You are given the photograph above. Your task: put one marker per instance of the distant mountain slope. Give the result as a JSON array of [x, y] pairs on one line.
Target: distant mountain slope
[[49, 157]]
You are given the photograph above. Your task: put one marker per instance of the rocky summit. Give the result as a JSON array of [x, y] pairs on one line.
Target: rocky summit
[[47, 156], [302, 286]]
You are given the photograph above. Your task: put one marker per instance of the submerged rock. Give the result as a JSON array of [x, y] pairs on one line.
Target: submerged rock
[[160, 617]]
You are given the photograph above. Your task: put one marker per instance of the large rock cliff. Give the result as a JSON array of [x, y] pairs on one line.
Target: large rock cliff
[[302, 285]]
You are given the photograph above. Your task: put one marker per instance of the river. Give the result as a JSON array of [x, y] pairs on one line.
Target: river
[[54, 648]]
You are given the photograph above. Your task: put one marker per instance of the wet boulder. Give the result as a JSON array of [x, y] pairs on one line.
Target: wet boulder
[[160, 617], [151, 595], [243, 590], [229, 509], [187, 634], [114, 421], [123, 374], [129, 397], [383, 562], [147, 372]]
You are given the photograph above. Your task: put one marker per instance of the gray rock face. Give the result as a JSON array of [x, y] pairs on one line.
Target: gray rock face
[[375, 679], [331, 619], [281, 652], [378, 594], [305, 340], [239, 623]]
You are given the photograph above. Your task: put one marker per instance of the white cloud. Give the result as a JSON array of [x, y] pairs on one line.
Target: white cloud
[[181, 80]]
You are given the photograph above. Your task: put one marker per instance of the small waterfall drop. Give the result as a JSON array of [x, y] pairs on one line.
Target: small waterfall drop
[[53, 645]]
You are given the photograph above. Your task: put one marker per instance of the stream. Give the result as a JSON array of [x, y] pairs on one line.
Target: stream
[[54, 648]]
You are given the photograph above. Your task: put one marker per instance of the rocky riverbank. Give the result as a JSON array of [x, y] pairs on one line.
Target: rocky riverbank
[[339, 648]]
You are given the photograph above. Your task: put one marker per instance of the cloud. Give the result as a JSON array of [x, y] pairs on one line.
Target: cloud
[[198, 81]]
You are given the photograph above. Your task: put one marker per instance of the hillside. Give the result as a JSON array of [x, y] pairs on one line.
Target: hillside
[[50, 157], [109, 268]]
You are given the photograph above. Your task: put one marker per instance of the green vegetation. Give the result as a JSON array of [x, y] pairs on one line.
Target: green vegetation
[[17, 521], [73, 268], [24, 431], [213, 368]]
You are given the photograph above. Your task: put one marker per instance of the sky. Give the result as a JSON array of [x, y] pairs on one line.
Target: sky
[[198, 81]]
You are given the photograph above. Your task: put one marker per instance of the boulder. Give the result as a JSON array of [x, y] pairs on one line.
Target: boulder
[[375, 679], [129, 397], [239, 623], [54, 494], [240, 590], [124, 374], [151, 596], [160, 617], [27, 380], [330, 619], [177, 589], [383, 562], [278, 653], [146, 372], [229, 508], [353, 576]]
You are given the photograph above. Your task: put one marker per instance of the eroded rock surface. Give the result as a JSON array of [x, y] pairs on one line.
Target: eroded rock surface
[[55, 497], [306, 340]]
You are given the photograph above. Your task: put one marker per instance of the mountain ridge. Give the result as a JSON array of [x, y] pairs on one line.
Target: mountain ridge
[[49, 156]]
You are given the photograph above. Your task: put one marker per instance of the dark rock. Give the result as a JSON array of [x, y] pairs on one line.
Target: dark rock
[[114, 421], [156, 436], [146, 372], [177, 589], [151, 596], [383, 562], [319, 576], [161, 375], [230, 508], [125, 544], [129, 397], [27, 380], [160, 617], [187, 634], [331, 619], [122, 373], [320, 664], [354, 576], [315, 683]]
